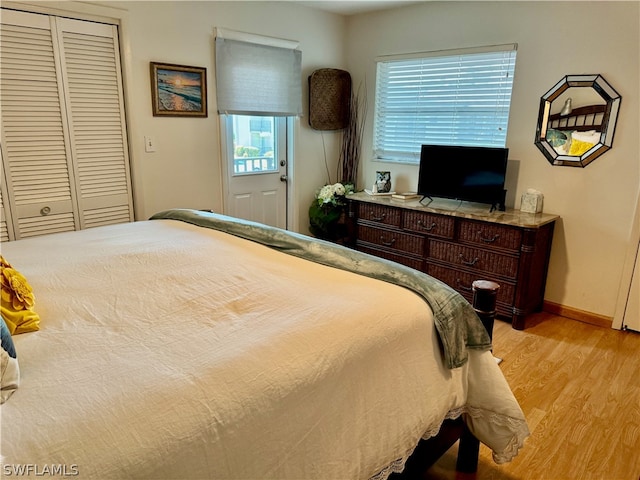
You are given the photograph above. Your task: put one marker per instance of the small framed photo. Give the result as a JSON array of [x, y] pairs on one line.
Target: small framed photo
[[178, 90]]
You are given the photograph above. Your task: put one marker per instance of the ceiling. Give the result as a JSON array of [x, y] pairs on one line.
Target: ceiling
[[353, 7]]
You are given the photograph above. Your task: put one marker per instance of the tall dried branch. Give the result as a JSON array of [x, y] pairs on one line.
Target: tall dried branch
[[349, 159]]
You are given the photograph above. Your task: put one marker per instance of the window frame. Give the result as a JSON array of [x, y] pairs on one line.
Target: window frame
[[278, 132], [402, 124]]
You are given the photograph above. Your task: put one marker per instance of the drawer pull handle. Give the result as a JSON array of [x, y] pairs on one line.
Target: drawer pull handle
[[488, 239], [45, 211], [377, 219], [462, 286], [424, 227], [469, 263], [385, 243]]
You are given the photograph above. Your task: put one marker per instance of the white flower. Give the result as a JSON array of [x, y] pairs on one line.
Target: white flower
[[339, 189], [333, 194], [326, 194]]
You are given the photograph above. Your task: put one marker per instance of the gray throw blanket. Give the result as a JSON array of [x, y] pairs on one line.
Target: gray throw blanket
[[456, 322]]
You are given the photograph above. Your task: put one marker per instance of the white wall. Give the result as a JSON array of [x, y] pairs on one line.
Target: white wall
[[554, 39], [185, 171]]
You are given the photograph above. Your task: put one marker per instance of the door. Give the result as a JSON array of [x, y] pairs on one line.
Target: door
[[35, 138], [255, 168], [64, 142], [94, 98], [6, 223], [627, 313], [632, 309]]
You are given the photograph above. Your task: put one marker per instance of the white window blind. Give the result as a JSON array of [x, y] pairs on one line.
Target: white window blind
[[257, 75], [442, 98]]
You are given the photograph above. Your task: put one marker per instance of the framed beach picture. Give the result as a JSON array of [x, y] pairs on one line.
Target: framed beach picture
[[179, 91]]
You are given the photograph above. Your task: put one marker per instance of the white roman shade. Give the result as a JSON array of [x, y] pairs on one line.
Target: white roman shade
[[457, 97], [257, 75]]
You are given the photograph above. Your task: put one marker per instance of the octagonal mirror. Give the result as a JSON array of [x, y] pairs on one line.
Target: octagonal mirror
[[577, 120]]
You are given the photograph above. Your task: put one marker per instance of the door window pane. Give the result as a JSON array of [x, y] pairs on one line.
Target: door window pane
[[254, 144]]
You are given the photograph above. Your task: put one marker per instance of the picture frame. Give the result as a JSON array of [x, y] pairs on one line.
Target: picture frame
[[178, 90]]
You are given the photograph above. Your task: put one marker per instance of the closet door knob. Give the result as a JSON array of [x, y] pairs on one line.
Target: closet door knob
[[45, 211]]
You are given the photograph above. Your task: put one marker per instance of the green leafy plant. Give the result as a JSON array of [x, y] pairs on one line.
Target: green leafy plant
[[246, 151], [326, 213]]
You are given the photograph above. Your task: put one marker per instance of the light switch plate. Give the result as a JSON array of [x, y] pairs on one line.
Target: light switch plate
[[149, 144]]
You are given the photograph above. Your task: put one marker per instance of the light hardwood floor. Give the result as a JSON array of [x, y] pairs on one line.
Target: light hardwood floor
[[579, 387]]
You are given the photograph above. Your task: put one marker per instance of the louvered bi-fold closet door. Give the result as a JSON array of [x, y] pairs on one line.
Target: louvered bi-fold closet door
[[6, 223], [35, 145], [93, 84], [4, 231], [63, 129]]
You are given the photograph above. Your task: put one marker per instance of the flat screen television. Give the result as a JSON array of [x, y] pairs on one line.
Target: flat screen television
[[474, 174]]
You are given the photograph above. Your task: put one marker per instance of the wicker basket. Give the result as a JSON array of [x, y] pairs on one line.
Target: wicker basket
[[329, 98]]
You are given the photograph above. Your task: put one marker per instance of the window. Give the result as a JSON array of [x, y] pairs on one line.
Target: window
[[442, 98], [257, 87], [253, 144]]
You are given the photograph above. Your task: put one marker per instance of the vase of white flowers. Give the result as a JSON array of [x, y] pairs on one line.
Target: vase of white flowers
[[327, 212]]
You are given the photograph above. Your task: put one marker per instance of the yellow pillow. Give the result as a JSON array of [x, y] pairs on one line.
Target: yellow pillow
[[578, 147], [17, 300]]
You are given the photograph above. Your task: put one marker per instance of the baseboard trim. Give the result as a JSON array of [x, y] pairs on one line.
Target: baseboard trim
[[577, 314]]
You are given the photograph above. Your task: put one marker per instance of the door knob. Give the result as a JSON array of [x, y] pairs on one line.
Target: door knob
[[283, 178]]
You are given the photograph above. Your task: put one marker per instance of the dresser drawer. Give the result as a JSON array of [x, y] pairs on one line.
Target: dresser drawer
[[490, 235], [392, 239], [379, 214], [426, 223], [462, 282], [396, 257], [479, 259]]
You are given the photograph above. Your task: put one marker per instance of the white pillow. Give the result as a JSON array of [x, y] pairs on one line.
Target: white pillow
[[590, 137]]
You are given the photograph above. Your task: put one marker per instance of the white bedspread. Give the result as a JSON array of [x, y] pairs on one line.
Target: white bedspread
[[167, 350]]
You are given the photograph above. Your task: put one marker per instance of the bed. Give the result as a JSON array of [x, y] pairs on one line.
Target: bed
[[194, 345]]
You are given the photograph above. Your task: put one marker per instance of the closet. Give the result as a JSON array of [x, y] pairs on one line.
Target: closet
[[65, 159]]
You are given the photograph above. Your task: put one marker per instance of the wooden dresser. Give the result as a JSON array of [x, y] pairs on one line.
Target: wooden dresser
[[459, 243]]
